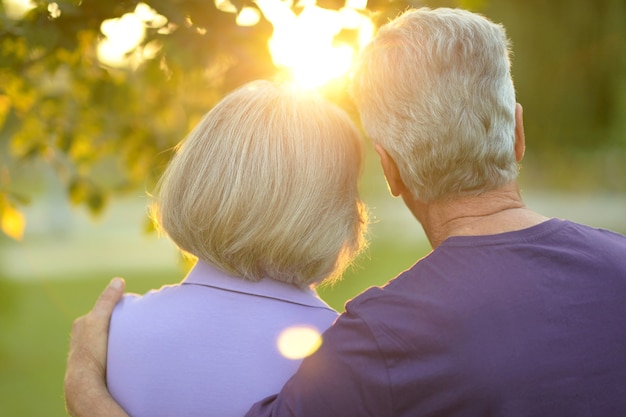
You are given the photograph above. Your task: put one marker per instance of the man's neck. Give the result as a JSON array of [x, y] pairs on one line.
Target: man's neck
[[490, 213]]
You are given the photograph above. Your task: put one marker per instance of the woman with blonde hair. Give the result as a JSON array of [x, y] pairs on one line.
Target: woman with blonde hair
[[264, 193]]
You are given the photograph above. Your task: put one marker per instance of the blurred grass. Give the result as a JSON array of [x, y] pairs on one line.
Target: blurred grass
[[37, 317], [34, 339]]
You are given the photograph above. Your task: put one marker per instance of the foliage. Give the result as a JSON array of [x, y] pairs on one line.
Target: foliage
[[106, 130], [103, 128], [569, 66]]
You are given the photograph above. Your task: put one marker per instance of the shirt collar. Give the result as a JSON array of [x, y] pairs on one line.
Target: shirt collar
[[209, 276]]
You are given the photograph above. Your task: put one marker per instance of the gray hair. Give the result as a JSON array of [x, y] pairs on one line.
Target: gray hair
[[266, 186], [434, 90]]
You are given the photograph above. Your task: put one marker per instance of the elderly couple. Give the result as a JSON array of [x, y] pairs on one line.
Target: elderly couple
[[512, 313]]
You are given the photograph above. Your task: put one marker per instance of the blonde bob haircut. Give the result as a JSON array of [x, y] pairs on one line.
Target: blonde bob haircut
[[266, 186], [434, 89]]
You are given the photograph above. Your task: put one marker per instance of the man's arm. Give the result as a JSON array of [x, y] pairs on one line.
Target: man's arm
[[86, 394]]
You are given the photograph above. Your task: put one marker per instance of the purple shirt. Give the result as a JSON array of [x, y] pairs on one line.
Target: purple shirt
[[529, 323], [208, 346]]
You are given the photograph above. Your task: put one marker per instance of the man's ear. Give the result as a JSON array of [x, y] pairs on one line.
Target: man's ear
[[520, 139], [392, 174]]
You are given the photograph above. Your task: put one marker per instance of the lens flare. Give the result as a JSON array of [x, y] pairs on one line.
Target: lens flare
[[298, 342]]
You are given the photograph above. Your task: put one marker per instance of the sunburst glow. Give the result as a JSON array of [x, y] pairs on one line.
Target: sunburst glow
[[305, 45]]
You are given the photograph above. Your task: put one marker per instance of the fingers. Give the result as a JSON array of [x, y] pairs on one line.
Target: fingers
[[107, 300], [97, 320], [85, 386]]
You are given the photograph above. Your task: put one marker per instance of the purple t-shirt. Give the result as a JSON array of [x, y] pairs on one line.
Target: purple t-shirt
[[208, 346], [529, 323]]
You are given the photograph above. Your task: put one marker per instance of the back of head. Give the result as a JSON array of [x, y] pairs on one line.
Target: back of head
[[434, 89], [266, 186]]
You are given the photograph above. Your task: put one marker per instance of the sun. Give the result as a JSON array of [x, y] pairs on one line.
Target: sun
[[304, 44]]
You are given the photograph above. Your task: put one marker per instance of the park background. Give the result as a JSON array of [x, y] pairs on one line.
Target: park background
[[83, 139]]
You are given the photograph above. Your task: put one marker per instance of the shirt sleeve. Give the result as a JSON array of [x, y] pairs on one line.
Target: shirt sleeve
[[346, 376]]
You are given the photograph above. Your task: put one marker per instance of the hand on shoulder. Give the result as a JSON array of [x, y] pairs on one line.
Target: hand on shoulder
[[86, 393]]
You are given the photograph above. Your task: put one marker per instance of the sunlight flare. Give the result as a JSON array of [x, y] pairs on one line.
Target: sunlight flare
[[248, 16], [305, 44], [299, 342], [123, 35], [16, 9]]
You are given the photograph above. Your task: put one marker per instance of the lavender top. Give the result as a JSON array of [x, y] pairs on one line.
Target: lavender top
[[207, 346]]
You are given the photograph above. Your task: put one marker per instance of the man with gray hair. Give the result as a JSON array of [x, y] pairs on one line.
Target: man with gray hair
[[512, 313]]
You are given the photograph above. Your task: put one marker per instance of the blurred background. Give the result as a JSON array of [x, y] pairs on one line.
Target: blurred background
[[94, 95]]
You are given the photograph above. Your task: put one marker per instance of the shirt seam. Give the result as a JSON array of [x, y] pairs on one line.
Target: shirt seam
[[258, 295], [551, 226]]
